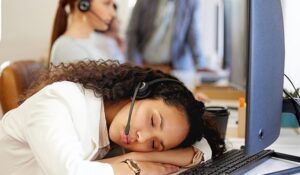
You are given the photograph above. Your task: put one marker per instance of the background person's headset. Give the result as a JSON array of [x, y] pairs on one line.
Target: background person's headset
[[85, 6], [142, 91]]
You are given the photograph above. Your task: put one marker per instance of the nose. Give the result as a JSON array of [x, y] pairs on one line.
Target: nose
[[144, 136], [113, 12]]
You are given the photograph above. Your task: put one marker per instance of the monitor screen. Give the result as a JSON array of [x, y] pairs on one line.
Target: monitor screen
[[254, 51]]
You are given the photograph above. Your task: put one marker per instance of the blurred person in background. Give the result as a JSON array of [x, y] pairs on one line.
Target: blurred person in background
[[165, 32], [73, 36], [165, 35], [110, 42]]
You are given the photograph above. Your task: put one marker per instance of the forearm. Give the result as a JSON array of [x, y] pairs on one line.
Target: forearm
[[117, 159], [179, 157], [148, 165]]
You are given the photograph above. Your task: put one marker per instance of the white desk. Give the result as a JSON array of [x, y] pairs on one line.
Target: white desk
[[288, 142]]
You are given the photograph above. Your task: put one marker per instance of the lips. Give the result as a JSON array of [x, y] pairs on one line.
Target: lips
[[108, 22], [125, 139]]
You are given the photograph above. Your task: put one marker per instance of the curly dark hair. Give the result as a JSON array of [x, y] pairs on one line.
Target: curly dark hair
[[114, 82]]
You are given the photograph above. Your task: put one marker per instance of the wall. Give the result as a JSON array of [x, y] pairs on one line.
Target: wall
[[292, 41], [26, 28]]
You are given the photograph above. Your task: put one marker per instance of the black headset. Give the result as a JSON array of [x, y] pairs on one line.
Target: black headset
[[84, 5], [145, 88], [142, 91]]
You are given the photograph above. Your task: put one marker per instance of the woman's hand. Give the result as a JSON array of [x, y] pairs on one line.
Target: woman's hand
[[147, 168]]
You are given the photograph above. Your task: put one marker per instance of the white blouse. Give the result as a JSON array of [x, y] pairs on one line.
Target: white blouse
[[57, 131]]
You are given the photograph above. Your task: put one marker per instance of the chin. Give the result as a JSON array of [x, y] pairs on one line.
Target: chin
[[104, 28]]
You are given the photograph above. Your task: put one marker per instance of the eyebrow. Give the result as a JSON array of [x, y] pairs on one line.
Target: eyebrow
[[161, 127]]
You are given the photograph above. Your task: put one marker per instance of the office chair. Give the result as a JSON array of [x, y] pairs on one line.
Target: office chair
[[15, 78]]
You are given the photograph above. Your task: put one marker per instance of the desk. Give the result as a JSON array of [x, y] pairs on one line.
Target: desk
[[288, 142]]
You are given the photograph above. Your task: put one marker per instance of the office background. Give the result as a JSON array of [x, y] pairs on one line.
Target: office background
[[26, 28]]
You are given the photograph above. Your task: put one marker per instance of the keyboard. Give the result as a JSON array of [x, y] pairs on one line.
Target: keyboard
[[231, 162]]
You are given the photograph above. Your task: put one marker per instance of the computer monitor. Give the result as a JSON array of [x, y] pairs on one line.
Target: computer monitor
[[265, 74], [254, 50]]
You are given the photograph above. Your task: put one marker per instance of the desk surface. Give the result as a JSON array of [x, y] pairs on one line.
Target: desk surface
[[288, 142]]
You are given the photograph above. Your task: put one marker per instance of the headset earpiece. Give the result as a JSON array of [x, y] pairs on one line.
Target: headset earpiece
[[143, 91], [145, 87], [84, 5]]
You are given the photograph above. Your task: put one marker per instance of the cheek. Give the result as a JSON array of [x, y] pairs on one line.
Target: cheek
[[102, 10], [117, 126], [114, 132], [141, 119]]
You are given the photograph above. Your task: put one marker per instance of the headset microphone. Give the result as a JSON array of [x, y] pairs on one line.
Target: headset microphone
[[85, 6], [142, 91], [127, 128]]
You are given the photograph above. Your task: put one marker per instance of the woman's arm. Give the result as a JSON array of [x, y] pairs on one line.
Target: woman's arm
[[178, 157]]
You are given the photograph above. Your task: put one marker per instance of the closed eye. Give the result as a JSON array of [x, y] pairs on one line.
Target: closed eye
[[152, 121], [153, 145]]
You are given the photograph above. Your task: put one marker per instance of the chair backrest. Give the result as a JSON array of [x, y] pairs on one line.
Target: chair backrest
[[15, 78]]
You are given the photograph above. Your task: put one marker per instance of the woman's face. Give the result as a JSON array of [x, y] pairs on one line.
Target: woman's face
[[101, 14], [154, 126]]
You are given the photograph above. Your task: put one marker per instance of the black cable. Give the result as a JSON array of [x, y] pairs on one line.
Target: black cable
[[127, 128], [292, 85], [292, 98]]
